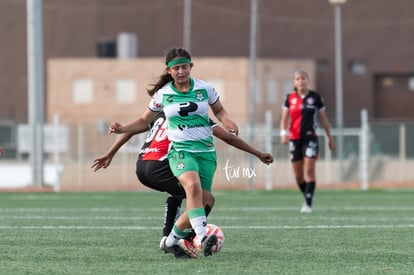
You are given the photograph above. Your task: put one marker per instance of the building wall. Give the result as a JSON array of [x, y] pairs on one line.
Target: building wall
[[281, 72], [230, 76], [13, 83], [375, 32]]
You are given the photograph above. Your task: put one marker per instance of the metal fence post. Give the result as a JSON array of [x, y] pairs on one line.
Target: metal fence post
[[364, 150]]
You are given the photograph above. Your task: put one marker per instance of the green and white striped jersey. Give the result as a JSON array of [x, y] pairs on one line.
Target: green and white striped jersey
[[188, 125]]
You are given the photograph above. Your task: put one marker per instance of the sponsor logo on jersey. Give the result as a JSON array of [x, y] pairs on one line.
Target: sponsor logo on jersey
[[183, 126], [170, 98], [180, 165], [149, 150]]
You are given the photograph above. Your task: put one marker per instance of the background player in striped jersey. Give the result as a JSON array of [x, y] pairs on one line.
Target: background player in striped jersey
[[303, 106], [192, 158]]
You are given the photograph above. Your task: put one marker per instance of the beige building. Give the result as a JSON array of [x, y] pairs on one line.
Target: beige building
[[98, 91]]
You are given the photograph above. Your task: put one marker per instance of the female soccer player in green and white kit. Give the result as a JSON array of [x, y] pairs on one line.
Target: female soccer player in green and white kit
[[192, 156], [153, 171]]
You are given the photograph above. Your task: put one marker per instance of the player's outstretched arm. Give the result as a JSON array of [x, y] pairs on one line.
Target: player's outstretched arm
[[137, 126], [284, 134], [222, 116], [105, 160], [325, 125], [241, 144]]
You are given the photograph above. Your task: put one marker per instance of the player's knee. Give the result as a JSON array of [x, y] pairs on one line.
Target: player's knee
[[192, 188], [310, 175]]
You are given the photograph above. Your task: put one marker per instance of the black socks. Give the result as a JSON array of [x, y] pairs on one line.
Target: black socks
[[171, 213], [310, 190], [302, 187]]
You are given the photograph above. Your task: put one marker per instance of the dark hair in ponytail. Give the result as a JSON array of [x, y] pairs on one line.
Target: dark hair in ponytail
[[166, 77]]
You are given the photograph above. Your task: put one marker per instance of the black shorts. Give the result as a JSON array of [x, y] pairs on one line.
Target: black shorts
[[158, 176], [304, 148]]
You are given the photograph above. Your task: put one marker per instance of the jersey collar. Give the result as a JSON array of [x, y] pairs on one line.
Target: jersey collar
[[178, 91]]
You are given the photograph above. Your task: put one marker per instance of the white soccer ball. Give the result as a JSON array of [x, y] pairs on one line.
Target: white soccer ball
[[211, 229]]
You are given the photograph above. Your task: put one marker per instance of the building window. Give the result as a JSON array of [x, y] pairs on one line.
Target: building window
[[411, 83], [387, 81], [125, 90], [272, 91], [322, 65], [358, 67], [82, 91]]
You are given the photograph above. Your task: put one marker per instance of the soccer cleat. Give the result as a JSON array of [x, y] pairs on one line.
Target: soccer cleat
[[164, 247], [177, 251], [207, 244], [306, 209], [188, 248], [162, 243]]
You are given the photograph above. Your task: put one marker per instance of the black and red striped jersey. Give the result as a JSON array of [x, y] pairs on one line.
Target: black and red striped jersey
[[303, 113], [156, 142]]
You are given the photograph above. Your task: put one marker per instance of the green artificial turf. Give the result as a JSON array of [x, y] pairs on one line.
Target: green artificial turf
[[349, 232]]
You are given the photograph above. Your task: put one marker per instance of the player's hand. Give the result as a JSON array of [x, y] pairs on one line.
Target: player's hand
[[331, 144], [231, 127], [284, 139], [116, 128], [266, 158], [102, 162]]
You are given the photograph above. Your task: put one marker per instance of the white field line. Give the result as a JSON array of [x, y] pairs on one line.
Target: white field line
[[282, 227], [75, 218], [215, 218], [249, 209]]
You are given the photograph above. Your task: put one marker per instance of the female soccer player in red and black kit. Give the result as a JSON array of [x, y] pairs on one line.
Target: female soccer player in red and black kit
[[303, 106]]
